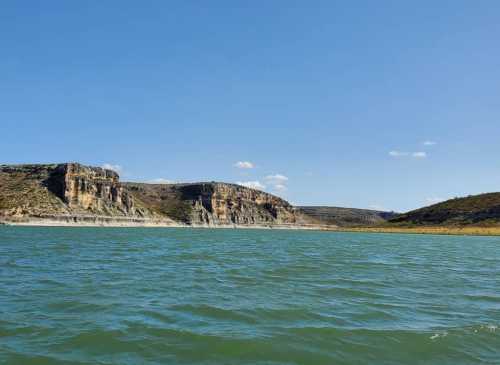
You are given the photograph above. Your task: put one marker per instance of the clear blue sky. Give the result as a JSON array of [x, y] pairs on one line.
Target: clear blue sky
[[336, 96]]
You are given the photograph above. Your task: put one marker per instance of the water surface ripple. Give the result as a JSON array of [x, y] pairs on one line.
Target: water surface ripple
[[200, 296]]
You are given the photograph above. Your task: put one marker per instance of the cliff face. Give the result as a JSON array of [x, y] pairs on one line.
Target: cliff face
[[74, 193], [90, 189], [64, 189], [81, 194], [217, 203]]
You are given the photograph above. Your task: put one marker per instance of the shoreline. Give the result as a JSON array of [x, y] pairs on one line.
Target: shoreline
[[123, 222], [429, 230], [118, 222]]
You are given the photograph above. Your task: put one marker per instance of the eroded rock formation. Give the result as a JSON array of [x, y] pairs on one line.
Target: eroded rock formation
[[216, 203], [64, 189], [74, 192], [90, 188]]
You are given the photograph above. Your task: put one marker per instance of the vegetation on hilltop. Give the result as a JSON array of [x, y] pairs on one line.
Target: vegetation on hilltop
[[23, 190], [483, 209]]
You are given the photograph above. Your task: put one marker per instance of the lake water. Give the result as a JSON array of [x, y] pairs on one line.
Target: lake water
[[202, 296]]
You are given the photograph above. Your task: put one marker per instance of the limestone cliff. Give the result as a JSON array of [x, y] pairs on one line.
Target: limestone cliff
[[75, 193], [215, 203], [91, 189], [69, 189]]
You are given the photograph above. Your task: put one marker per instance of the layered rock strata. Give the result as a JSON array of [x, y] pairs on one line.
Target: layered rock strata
[[74, 193], [68, 191], [216, 203]]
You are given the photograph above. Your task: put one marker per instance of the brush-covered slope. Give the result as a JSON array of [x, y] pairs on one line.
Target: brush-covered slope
[[346, 217], [216, 203], [483, 209]]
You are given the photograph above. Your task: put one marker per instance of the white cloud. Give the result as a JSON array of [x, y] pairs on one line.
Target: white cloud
[[398, 153], [434, 200], [276, 179], [244, 165], [252, 184], [116, 168], [376, 207], [419, 154], [429, 143], [277, 182], [161, 181]]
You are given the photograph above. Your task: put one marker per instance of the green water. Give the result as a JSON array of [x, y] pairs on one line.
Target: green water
[[199, 296]]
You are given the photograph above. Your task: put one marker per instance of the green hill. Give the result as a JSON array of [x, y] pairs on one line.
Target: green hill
[[483, 209]]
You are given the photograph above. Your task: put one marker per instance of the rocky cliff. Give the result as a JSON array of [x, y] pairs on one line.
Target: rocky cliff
[[71, 193], [91, 189], [75, 193], [216, 203], [63, 190]]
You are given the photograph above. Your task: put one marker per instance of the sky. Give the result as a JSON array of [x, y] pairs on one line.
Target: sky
[[387, 105]]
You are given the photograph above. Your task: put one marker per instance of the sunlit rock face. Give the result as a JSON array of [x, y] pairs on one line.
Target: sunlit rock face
[[220, 203], [216, 203], [91, 188], [78, 193], [64, 189]]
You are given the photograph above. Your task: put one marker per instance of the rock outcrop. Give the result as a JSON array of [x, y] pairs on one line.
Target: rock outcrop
[[65, 190], [216, 203], [74, 193], [91, 189]]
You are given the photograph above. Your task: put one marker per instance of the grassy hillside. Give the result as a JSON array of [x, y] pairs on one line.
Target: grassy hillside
[[163, 199], [481, 209], [24, 189]]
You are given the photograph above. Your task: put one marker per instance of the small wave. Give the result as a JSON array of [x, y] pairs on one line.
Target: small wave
[[23, 359], [98, 340], [208, 311], [157, 316], [77, 306], [438, 335], [349, 292], [483, 297]]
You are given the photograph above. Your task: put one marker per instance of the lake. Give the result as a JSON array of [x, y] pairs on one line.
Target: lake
[[222, 296]]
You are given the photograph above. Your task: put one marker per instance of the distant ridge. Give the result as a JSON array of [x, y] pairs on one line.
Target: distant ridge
[[346, 217], [483, 209]]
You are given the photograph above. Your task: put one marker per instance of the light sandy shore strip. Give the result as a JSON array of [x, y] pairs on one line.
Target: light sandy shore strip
[[455, 231], [105, 221], [102, 221]]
